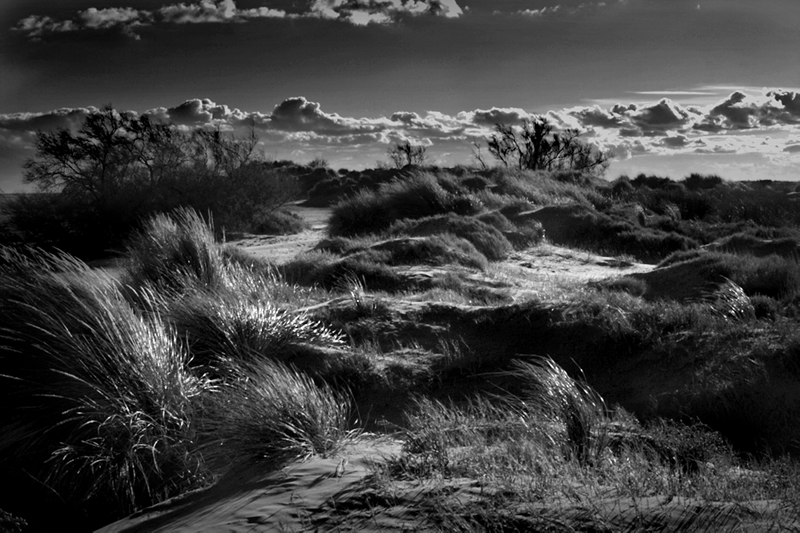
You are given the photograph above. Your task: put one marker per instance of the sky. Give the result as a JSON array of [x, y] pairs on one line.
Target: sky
[[668, 87]]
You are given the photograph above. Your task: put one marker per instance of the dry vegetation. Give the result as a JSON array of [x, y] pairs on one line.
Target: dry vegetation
[[661, 400]]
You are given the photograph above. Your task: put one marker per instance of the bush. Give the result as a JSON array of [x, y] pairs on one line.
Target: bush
[[441, 249], [278, 223], [365, 212], [486, 239], [323, 269], [416, 196]]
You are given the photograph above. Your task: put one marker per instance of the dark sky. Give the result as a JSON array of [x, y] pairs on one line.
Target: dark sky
[[356, 63]]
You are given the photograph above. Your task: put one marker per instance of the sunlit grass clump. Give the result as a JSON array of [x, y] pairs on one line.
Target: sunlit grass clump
[[108, 402], [99, 404]]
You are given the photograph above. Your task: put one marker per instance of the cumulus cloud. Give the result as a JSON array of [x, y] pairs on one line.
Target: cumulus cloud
[[127, 20], [196, 112], [676, 141], [563, 9], [122, 19], [512, 116], [362, 12], [68, 118], [207, 11]]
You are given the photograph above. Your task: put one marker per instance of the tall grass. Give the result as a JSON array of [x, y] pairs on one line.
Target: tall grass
[[270, 412], [220, 328], [98, 402], [558, 459], [174, 253], [108, 404]]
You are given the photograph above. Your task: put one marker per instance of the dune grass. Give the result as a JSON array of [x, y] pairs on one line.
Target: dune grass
[[98, 401], [538, 458], [108, 403]]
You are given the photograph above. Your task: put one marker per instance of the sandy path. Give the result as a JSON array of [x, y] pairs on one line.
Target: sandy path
[[545, 263], [300, 497], [281, 248]]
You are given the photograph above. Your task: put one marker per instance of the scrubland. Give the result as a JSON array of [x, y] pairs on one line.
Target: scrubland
[[661, 395]]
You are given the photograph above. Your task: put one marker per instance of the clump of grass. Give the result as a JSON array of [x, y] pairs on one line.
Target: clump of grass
[[174, 253], [98, 402], [525, 455], [325, 270], [774, 276], [104, 409], [218, 329], [565, 402], [270, 412], [438, 249], [487, 240], [278, 222], [416, 196]]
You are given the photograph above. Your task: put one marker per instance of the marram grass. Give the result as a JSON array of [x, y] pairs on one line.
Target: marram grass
[[103, 408]]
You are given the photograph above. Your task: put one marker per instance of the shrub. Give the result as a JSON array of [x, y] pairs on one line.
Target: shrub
[[415, 196], [486, 239], [364, 212], [441, 249], [324, 270], [278, 223], [696, 182]]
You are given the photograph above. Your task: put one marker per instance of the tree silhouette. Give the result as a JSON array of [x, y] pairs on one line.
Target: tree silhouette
[[403, 154], [536, 145]]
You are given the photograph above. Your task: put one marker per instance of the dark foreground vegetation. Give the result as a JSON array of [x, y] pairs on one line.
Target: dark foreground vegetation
[[567, 411]]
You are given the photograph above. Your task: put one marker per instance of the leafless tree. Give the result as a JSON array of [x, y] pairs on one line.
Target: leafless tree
[[403, 154], [536, 145]]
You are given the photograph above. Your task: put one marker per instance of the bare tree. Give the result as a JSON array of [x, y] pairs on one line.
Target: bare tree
[[477, 154], [536, 145], [403, 154], [123, 166]]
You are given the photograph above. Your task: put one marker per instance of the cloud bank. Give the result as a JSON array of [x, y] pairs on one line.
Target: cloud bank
[[127, 20], [766, 125]]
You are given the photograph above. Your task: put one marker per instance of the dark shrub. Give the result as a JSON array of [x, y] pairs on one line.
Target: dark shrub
[[416, 196], [487, 239], [278, 222], [695, 182]]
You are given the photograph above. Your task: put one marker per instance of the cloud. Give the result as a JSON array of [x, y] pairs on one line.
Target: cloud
[[540, 12], [512, 116], [741, 111], [676, 141], [68, 118], [208, 11], [122, 19], [197, 112], [126, 20], [363, 12], [563, 9]]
